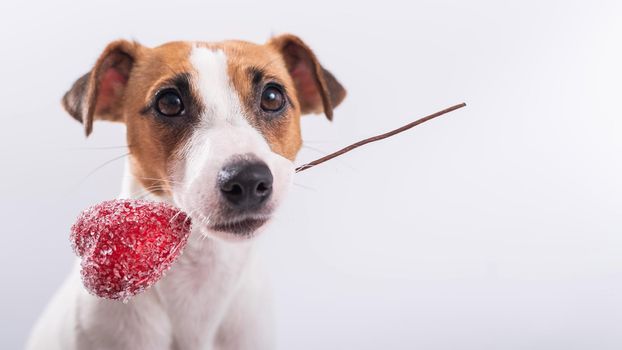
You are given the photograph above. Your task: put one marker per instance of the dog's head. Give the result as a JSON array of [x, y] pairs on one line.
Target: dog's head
[[212, 126]]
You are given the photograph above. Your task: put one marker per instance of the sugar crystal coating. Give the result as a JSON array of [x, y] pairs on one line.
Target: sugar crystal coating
[[127, 245]]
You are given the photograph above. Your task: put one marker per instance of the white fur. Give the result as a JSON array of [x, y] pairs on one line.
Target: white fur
[[214, 296]]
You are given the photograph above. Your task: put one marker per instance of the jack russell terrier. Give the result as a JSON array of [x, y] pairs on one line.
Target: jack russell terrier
[[212, 128]]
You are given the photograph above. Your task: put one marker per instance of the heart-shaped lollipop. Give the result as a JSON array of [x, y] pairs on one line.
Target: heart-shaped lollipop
[[127, 245]]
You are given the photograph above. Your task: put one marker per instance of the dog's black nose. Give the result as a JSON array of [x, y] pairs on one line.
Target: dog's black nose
[[245, 184]]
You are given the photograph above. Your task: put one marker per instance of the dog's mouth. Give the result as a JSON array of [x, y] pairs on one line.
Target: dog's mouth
[[243, 227]]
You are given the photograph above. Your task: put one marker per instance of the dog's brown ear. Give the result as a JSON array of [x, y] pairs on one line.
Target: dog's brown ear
[[99, 93], [318, 90]]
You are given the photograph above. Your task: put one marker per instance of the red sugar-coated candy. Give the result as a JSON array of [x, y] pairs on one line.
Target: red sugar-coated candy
[[126, 245]]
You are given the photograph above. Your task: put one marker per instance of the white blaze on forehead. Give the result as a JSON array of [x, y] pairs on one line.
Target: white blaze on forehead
[[222, 108], [223, 130], [219, 97]]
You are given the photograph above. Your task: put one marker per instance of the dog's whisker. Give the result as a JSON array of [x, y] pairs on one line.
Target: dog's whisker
[[146, 189], [158, 179], [205, 222], [317, 150], [96, 148], [141, 194], [209, 218], [175, 216], [202, 220], [304, 187], [103, 165], [306, 142], [150, 193], [156, 187]]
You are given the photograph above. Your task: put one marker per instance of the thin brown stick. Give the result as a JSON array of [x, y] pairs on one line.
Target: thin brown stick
[[377, 138]]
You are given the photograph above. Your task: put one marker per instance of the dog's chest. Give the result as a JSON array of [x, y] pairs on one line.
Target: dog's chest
[[197, 291]]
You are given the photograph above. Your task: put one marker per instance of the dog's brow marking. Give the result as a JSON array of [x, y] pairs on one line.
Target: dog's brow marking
[[219, 97]]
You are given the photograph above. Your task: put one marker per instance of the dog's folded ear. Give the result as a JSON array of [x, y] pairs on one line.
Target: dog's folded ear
[[99, 93], [317, 89]]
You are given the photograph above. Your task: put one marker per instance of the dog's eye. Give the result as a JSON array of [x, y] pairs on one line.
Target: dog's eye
[[272, 98], [169, 103]]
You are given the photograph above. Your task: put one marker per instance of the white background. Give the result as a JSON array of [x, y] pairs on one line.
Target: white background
[[496, 227]]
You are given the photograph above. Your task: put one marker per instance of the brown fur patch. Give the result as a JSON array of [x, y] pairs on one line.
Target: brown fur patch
[[283, 132], [153, 145]]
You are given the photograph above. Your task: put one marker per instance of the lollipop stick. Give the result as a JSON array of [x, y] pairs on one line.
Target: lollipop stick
[[377, 138]]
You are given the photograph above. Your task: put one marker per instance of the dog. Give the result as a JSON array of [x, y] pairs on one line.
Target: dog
[[212, 128]]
